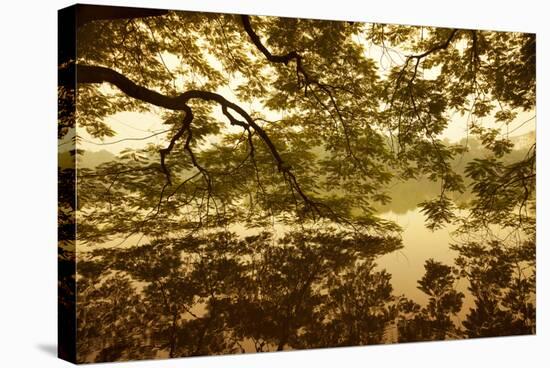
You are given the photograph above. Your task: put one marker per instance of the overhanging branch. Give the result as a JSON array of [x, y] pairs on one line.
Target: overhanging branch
[[308, 80], [97, 74], [285, 59], [418, 57]]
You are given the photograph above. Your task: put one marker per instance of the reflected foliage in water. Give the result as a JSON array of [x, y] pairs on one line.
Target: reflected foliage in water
[[502, 281], [220, 293]]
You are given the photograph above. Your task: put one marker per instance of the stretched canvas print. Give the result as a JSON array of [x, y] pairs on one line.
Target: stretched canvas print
[[242, 183]]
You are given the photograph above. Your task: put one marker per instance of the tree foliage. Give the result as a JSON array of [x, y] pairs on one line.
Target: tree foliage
[[259, 206]]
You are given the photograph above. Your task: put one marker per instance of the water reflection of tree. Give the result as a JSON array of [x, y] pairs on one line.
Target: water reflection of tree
[[66, 263], [358, 309], [502, 281], [496, 246], [432, 322], [217, 293], [109, 320], [500, 278]]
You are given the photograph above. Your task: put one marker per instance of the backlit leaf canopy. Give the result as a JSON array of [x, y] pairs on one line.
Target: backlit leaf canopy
[[250, 221], [269, 116]]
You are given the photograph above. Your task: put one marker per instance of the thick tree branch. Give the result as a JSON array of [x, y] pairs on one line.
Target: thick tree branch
[[98, 74], [436, 48], [418, 58], [284, 59], [308, 80], [165, 151]]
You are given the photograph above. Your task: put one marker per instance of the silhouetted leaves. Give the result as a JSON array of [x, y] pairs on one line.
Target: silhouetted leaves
[[264, 236]]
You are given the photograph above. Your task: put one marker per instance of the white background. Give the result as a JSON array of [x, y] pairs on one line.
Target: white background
[[28, 103]]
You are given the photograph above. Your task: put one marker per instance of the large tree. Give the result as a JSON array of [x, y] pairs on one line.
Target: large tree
[[279, 123], [327, 129]]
